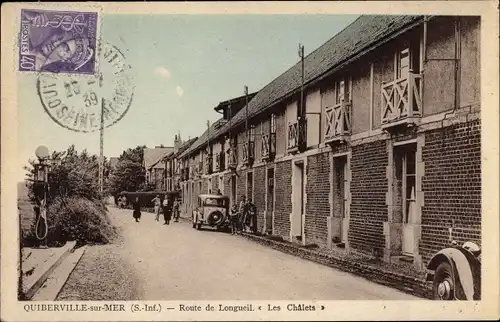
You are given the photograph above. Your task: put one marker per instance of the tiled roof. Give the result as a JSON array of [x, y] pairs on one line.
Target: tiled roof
[[185, 146], [363, 34], [203, 139], [152, 156]]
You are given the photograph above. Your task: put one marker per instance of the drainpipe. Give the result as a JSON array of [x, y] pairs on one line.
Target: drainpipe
[[457, 59]]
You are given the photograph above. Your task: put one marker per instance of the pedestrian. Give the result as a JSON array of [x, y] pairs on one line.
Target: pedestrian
[[233, 217], [242, 214], [137, 209], [251, 216], [167, 210], [157, 202], [176, 210]]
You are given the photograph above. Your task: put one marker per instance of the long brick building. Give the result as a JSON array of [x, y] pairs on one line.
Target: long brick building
[[380, 151]]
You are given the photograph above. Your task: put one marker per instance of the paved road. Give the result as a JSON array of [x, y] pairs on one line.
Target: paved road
[[177, 262]]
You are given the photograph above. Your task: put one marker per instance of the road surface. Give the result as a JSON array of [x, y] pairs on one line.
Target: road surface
[[176, 262]]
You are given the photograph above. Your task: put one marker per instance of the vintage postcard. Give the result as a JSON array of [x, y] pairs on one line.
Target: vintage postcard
[[249, 161]]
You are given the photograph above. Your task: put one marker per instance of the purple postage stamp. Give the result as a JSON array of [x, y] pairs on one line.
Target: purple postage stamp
[[58, 41]]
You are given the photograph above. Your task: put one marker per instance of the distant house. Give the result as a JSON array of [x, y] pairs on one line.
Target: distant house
[[155, 169], [172, 163], [113, 161]]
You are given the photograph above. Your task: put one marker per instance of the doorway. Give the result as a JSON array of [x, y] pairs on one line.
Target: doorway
[[405, 210], [340, 223], [249, 193], [233, 189], [297, 217], [270, 201]]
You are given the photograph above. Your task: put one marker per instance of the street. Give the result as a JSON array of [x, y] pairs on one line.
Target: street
[[176, 262]]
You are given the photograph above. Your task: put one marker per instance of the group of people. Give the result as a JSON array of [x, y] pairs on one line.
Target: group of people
[[167, 207], [243, 216]]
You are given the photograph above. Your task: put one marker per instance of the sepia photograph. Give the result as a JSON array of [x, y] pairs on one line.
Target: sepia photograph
[[219, 159]]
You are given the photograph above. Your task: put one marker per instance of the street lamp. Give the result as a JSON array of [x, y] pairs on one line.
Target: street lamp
[[42, 176]]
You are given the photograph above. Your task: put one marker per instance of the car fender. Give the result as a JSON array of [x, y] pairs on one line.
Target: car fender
[[461, 270]]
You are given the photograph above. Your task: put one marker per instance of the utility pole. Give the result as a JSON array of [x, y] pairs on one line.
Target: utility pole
[[101, 149], [246, 110], [101, 143], [301, 55], [208, 147]]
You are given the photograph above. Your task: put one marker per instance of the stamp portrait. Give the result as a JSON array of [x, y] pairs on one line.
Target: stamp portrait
[[57, 41], [77, 103]]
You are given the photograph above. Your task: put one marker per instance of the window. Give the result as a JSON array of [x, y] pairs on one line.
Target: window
[[342, 90], [403, 61], [251, 133], [409, 186], [219, 202], [273, 123]]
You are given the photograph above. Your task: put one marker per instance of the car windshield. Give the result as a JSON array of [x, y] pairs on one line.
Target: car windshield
[[214, 202]]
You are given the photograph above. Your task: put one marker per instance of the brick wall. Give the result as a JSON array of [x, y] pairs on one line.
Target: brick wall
[[317, 204], [204, 185], [249, 183], [368, 191], [283, 191], [259, 177], [241, 183], [227, 185], [215, 184], [452, 187]]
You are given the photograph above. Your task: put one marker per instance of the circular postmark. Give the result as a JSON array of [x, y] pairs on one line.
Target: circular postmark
[[78, 102]]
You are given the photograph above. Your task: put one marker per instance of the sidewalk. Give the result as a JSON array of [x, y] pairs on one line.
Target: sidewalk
[[39, 263], [401, 276]]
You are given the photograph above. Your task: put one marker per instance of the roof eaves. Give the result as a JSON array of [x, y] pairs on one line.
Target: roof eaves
[[234, 100], [363, 51]]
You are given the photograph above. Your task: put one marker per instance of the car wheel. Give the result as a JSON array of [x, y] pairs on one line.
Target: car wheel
[[443, 286]]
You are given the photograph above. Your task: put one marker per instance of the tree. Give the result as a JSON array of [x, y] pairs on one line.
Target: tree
[[76, 175], [128, 174]]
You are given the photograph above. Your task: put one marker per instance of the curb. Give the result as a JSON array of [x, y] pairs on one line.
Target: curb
[[45, 270], [410, 285], [56, 281]]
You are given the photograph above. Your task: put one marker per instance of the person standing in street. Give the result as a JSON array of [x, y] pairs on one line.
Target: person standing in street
[[167, 210], [137, 209], [251, 216], [157, 202], [242, 214], [233, 217], [176, 210]]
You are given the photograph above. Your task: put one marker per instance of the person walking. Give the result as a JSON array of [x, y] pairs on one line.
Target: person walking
[[233, 217], [157, 202], [137, 209], [167, 210]]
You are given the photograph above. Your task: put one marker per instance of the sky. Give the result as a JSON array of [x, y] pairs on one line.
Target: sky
[[183, 66]]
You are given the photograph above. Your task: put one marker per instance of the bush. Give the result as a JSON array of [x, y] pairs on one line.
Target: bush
[[77, 219]]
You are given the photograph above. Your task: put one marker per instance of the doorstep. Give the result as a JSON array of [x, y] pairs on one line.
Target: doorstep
[[401, 276]]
